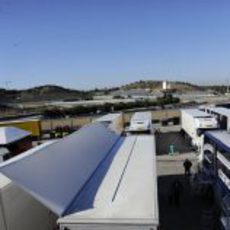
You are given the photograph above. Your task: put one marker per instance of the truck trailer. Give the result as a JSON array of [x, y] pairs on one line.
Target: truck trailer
[[126, 198], [221, 114], [32, 125], [194, 122], [141, 122]]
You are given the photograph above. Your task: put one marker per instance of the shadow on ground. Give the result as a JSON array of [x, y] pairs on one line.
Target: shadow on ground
[[164, 140], [191, 214]]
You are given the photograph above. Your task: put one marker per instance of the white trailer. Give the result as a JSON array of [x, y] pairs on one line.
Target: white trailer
[[141, 122], [113, 120], [20, 211], [126, 198], [194, 122], [221, 114]]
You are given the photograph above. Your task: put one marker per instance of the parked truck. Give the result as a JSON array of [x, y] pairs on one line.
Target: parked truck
[[32, 125], [141, 122], [194, 122]]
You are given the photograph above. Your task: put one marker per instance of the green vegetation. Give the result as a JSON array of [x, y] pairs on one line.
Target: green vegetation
[[108, 107], [157, 85]]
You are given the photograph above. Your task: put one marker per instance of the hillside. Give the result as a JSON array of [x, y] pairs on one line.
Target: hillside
[[42, 93], [53, 92], [157, 85]]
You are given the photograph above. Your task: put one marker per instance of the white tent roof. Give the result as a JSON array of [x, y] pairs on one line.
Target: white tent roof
[[11, 134], [56, 173], [127, 194]]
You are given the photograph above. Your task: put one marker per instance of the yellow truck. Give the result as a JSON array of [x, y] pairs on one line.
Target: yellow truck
[[31, 125]]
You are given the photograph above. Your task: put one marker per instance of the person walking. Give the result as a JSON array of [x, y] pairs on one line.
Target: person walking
[[187, 167]]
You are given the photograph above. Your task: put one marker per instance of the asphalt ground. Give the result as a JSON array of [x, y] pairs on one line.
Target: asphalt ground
[[164, 140], [192, 213]]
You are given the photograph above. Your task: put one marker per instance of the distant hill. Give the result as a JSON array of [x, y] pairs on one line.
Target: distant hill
[[42, 93], [53, 92], [157, 86]]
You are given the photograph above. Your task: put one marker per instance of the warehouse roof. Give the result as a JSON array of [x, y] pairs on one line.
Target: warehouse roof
[[11, 134], [56, 173], [128, 192]]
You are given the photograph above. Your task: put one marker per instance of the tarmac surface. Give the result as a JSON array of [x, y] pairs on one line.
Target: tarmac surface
[[175, 138], [191, 213]]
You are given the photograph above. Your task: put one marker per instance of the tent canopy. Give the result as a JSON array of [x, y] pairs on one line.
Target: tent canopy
[[10, 134], [56, 173]]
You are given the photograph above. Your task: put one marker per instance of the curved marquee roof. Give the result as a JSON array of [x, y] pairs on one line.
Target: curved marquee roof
[[56, 173]]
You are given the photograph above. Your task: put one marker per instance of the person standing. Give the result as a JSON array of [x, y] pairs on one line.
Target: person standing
[[187, 167]]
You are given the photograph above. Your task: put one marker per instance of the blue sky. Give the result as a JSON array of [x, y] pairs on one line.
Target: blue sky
[[95, 43]]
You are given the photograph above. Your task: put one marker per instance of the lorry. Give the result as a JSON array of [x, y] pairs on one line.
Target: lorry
[[141, 122], [194, 122], [32, 125]]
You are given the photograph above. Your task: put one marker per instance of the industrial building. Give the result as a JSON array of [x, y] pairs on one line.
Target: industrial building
[[92, 178]]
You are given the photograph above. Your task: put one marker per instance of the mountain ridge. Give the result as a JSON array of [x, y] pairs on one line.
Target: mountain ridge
[[56, 92]]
